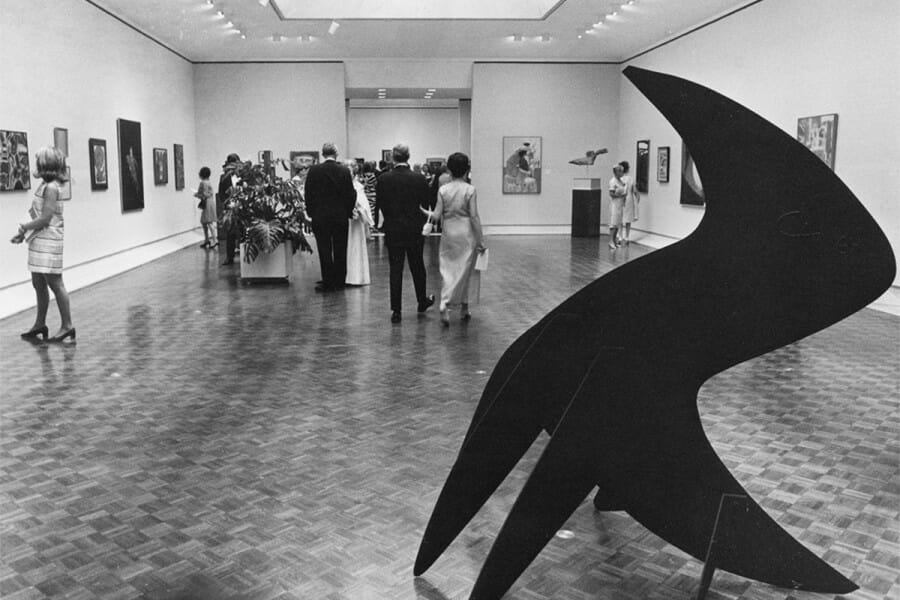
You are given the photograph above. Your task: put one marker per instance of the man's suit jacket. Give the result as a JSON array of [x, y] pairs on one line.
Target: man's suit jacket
[[329, 192], [398, 195]]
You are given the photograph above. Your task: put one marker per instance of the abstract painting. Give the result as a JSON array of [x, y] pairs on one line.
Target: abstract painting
[[819, 134], [691, 186], [178, 154], [160, 166], [662, 164], [99, 167], [61, 140], [302, 160], [522, 165], [14, 170], [131, 165], [642, 168]]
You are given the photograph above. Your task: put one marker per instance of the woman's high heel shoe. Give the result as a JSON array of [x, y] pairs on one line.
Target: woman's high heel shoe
[[32, 334], [62, 336]]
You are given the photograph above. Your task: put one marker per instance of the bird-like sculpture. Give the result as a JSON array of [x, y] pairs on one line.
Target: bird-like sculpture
[[783, 250], [589, 157]]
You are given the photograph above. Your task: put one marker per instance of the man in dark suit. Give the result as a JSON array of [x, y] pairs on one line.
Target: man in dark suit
[[227, 181], [330, 198], [399, 195]]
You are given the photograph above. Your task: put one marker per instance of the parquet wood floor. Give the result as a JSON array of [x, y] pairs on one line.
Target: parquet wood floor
[[211, 440]]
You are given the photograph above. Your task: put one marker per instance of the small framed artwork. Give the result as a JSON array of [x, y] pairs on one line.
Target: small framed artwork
[[131, 164], [819, 134], [522, 165], [387, 155], [662, 164], [15, 174], [642, 168], [99, 168], [691, 186], [61, 140], [65, 190], [160, 166], [178, 156], [302, 160], [435, 163]]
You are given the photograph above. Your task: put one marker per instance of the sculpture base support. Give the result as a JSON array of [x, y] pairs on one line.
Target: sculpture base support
[[729, 505]]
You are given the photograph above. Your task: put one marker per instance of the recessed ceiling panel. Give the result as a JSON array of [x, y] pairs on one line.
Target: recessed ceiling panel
[[416, 9]]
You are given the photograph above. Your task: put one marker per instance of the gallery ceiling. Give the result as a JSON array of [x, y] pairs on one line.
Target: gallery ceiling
[[359, 30]]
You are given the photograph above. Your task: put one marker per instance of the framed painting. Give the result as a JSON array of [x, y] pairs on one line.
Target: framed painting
[[99, 168], [691, 186], [819, 134], [65, 190], [522, 165], [662, 164], [178, 156], [302, 160], [387, 155], [642, 167], [160, 166], [15, 174], [131, 165], [61, 140], [435, 163]]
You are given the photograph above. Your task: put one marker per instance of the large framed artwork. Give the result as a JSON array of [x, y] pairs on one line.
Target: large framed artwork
[[14, 170], [435, 163], [61, 140], [522, 165], [662, 164], [131, 165], [160, 166], [819, 134], [642, 166], [178, 155], [302, 160], [691, 186], [99, 168]]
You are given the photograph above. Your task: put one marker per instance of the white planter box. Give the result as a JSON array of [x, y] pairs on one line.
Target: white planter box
[[277, 265]]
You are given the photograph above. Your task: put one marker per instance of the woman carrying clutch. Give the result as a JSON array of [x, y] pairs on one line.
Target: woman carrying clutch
[[462, 238]]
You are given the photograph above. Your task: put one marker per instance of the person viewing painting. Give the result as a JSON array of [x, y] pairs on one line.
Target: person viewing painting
[[617, 191], [44, 234], [462, 238], [630, 204], [207, 206]]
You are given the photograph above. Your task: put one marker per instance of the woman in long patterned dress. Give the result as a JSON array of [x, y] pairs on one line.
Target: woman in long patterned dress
[[45, 246], [357, 233], [462, 238]]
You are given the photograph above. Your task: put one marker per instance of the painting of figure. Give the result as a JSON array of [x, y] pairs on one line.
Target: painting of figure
[[131, 165], [522, 165], [819, 134], [14, 170], [99, 169], [160, 166], [301, 161], [178, 154]]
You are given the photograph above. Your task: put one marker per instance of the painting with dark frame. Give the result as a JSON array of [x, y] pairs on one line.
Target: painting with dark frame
[[522, 164], [435, 163], [662, 164], [178, 157], [131, 164], [387, 155], [691, 186], [99, 166], [61, 140], [15, 174], [642, 167], [819, 134], [160, 166], [302, 160]]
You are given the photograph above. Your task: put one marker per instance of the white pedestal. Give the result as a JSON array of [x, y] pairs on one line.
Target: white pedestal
[[276, 265], [587, 183]]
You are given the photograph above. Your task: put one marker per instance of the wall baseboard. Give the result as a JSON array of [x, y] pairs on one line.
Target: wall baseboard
[[19, 297]]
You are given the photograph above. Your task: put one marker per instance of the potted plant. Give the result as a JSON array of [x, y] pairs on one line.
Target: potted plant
[[268, 213]]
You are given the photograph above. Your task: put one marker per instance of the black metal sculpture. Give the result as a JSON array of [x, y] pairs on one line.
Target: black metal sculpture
[[784, 249]]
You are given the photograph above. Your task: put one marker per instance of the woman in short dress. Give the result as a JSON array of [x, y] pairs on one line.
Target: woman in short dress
[[617, 189], [461, 239], [44, 233], [631, 203]]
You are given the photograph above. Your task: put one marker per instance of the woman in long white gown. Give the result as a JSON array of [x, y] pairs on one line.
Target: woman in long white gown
[[357, 253], [461, 237]]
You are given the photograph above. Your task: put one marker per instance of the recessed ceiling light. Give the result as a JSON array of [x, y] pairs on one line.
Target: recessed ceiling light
[[545, 37], [517, 37], [432, 90], [263, 3]]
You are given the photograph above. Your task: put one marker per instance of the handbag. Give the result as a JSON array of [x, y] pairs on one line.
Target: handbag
[[427, 228], [481, 261], [202, 204]]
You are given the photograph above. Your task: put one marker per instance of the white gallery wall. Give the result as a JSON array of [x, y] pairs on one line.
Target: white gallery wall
[[786, 60], [572, 107], [248, 107], [430, 132], [70, 65]]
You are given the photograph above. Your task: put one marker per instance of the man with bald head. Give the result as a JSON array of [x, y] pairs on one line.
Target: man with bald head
[[400, 194], [330, 198]]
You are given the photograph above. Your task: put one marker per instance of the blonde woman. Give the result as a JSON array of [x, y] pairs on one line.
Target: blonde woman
[[44, 234]]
